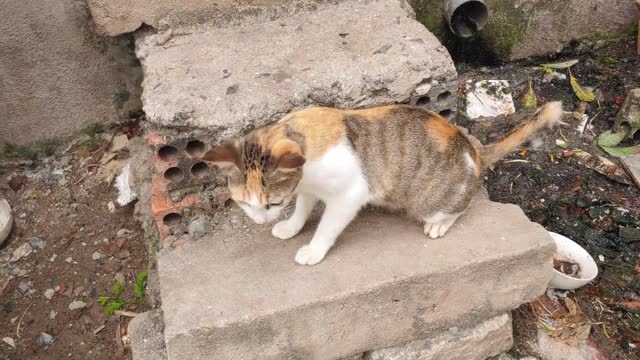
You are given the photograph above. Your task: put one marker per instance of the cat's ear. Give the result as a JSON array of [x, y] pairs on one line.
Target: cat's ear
[[225, 156], [287, 154]]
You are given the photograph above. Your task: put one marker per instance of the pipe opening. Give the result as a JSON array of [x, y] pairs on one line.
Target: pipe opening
[[168, 153], [172, 219], [467, 17], [199, 170], [173, 174], [195, 148]]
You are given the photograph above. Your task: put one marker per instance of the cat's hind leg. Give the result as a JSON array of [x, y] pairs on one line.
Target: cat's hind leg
[[438, 224]]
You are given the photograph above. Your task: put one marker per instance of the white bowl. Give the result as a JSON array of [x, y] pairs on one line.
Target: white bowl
[[569, 249], [6, 220]]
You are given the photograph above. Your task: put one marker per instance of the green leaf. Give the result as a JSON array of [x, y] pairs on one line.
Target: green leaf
[[581, 93], [548, 70], [117, 289], [103, 299], [609, 138], [563, 144], [609, 60], [561, 65], [115, 305], [140, 283], [529, 100], [621, 151]]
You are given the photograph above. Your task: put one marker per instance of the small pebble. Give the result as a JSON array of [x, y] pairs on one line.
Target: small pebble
[[38, 243], [69, 259], [123, 232], [76, 304], [53, 314], [45, 339], [96, 255], [601, 258], [120, 278], [49, 294], [53, 257], [24, 286]]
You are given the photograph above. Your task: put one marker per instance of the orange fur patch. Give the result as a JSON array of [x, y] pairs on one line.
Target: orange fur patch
[[441, 131], [322, 128], [374, 113]]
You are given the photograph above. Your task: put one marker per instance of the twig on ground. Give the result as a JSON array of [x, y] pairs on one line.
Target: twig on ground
[[100, 328], [125, 313], [20, 322]]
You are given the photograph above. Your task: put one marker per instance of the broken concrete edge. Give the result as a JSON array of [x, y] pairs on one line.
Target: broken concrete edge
[[238, 93], [479, 341], [146, 331], [112, 18], [142, 171]]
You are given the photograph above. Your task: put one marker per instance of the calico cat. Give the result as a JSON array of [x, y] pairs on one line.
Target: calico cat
[[399, 157]]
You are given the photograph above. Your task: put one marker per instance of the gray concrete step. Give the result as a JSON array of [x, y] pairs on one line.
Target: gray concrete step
[[237, 294], [354, 53]]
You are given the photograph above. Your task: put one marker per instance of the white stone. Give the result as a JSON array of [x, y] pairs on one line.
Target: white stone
[[77, 304], [489, 98], [49, 293], [23, 251]]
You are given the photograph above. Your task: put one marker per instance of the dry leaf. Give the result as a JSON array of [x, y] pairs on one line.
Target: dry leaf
[[581, 93], [530, 100]]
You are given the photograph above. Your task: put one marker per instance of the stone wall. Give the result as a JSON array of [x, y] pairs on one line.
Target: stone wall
[[57, 75], [523, 28]]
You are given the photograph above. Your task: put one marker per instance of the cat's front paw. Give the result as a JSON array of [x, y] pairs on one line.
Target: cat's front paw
[[309, 256], [284, 230]]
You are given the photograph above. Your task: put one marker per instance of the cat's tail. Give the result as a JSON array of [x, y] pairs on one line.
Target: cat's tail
[[547, 117]]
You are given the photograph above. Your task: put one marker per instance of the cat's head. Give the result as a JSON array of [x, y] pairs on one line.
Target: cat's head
[[261, 174]]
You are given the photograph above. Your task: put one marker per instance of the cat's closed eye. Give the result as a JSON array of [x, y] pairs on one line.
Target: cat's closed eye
[[269, 205]]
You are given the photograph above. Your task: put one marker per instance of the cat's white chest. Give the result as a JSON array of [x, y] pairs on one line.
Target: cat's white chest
[[337, 171]]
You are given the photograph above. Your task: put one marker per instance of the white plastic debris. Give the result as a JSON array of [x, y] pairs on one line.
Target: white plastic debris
[[9, 341], [125, 191], [489, 98], [6, 220]]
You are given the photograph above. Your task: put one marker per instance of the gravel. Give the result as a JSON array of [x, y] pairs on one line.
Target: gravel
[[76, 305]]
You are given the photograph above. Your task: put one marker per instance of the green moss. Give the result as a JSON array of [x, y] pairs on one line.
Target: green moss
[[41, 148], [506, 27]]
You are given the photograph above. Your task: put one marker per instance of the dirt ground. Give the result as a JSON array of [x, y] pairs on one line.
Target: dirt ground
[[63, 200], [559, 192]]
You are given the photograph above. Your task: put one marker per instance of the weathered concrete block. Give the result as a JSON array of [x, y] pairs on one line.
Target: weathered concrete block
[[114, 17], [147, 337], [353, 54], [478, 342], [519, 29], [57, 75], [237, 294]]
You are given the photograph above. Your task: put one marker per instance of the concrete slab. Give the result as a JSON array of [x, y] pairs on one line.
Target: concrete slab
[[147, 337], [479, 342], [352, 54], [237, 294], [115, 17], [632, 164]]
